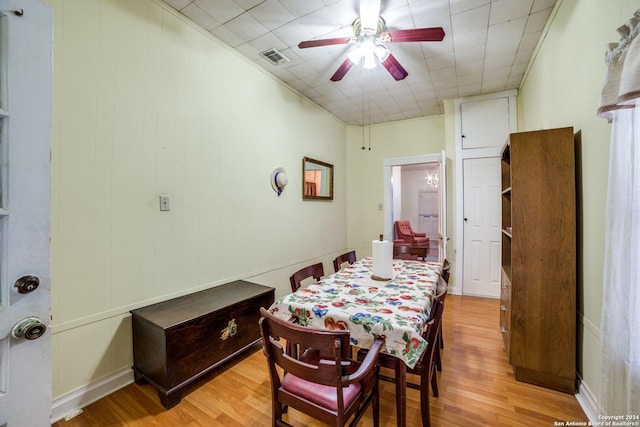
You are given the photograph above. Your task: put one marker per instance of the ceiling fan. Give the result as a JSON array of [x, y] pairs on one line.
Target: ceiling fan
[[367, 30]]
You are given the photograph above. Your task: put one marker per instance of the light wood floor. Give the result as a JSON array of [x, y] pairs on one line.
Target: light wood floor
[[477, 388]]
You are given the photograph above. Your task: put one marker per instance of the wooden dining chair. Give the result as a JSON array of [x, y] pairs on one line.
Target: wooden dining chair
[[426, 366], [316, 271], [349, 257], [446, 270], [441, 293], [323, 382], [407, 251]]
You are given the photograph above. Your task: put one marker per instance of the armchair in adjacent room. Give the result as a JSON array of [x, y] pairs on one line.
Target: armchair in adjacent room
[[404, 232]]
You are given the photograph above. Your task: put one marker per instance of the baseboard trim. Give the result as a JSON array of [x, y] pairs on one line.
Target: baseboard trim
[[73, 402], [588, 403]]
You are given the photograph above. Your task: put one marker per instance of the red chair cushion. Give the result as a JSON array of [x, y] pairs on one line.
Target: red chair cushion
[[323, 395]]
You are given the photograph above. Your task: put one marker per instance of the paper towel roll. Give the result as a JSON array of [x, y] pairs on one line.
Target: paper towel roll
[[382, 251]]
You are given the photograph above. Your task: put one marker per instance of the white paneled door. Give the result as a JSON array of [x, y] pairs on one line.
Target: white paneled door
[[25, 135], [482, 228]]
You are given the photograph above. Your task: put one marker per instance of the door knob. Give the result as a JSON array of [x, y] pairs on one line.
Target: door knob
[[29, 328], [28, 283]]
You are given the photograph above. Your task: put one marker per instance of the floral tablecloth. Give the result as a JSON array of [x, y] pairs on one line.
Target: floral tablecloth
[[352, 300]]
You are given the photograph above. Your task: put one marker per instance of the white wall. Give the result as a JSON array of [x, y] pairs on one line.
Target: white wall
[[562, 89], [147, 104]]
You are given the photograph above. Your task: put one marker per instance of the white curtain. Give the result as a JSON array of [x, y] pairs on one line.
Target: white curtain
[[620, 323], [619, 392]]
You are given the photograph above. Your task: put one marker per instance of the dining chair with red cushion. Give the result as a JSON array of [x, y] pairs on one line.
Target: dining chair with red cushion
[[404, 232], [323, 382]]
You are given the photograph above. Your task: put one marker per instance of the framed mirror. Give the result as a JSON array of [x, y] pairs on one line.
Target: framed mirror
[[317, 182]]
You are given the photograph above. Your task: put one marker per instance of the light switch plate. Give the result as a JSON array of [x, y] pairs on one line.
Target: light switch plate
[[164, 203]]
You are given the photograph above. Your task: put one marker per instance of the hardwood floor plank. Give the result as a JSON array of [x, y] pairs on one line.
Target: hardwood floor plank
[[477, 388]]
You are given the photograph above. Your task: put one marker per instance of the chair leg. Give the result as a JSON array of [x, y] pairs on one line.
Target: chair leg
[[375, 406], [436, 358], [434, 382], [425, 409]]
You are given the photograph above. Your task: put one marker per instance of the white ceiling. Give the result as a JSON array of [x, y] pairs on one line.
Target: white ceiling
[[486, 48]]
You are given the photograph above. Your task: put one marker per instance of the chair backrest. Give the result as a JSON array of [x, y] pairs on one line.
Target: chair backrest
[[349, 257], [432, 330], [403, 231], [325, 360], [446, 270], [441, 290], [316, 271]]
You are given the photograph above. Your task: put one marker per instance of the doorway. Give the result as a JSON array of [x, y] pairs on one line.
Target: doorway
[[415, 191]]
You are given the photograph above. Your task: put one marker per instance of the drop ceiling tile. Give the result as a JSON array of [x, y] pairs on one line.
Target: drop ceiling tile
[[248, 4], [537, 21], [440, 85], [247, 27], [250, 51], [321, 24], [459, 6], [282, 73], [202, 18], [470, 40], [470, 89], [471, 21], [508, 33], [301, 8], [507, 10], [539, 5], [268, 41], [499, 61], [472, 54], [493, 86], [430, 14], [529, 41], [178, 4], [227, 36], [473, 67], [523, 56], [469, 79], [271, 14], [222, 10]]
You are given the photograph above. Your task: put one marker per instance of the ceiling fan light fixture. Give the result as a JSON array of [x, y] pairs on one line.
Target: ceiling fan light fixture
[[382, 52], [368, 51], [355, 55], [369, 62]]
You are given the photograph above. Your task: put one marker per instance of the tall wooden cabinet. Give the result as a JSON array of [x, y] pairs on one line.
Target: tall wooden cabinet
[[538, 295]]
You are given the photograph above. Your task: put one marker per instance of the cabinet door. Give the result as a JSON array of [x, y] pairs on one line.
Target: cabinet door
[[484, 123]]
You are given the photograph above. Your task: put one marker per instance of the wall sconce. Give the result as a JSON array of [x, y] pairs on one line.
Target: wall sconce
[[279, 180]]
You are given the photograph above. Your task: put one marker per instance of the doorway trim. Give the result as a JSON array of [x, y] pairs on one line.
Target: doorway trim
[[388, 164]]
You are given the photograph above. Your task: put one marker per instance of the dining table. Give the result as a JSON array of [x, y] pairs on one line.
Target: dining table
[[368, 307]]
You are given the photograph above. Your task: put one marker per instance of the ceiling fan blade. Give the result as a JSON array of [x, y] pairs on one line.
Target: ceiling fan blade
[[435, 34], [369, 14], [324, 42], [394, 68], [342, 70]]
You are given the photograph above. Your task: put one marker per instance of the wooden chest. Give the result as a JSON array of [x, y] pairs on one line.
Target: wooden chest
[[177, 341]]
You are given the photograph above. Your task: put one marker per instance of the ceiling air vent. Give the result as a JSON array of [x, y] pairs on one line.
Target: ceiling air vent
[[275, 57]]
